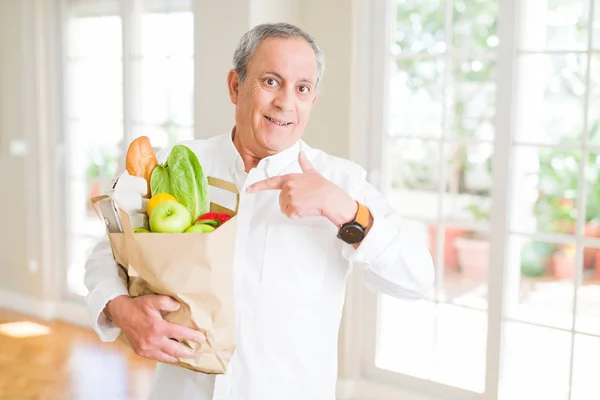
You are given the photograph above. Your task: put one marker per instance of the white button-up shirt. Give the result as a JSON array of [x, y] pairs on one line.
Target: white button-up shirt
[[289, 281]]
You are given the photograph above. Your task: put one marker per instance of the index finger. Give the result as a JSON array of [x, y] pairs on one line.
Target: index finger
[[273, 183], [180, 332]]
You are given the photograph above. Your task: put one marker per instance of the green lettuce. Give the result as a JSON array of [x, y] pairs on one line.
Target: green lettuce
[[187, 182], [159, 180]]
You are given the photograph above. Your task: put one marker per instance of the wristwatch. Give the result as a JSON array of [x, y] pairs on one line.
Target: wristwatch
[[354, 231]]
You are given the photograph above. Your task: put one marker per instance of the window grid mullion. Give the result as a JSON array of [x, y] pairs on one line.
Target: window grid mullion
[[582, 193], [128, 9], [502, 193]]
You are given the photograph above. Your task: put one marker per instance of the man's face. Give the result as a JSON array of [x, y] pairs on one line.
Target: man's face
[[274, 102]]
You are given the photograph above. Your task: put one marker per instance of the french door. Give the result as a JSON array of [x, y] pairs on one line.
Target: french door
[[488, 145]]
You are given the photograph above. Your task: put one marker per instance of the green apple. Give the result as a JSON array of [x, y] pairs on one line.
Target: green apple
[[200, 228], [170, 217], [141, 230], [211, 222]]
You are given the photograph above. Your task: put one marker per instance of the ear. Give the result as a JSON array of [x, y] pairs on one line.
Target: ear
[[315, 99], [233, 84]]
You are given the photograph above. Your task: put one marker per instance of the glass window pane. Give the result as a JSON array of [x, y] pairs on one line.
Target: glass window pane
[[540, 283], [466, 261], [158, 135], [592, 208], [467, 284], [474, 98], [163, 135], [450, 350], [586, 363], [166, 91], [546, 183], [414, 172], [536, 363], [416, 98], [167, 35], [405, 336], [94, 37], [554, 25], [552, 90], [152, 83], [419, 27], [93, 147], [588, 294], [460, 348], [181, 91], [468, 171], [95, 90], [596, 29], [594, 97], [475, 25]]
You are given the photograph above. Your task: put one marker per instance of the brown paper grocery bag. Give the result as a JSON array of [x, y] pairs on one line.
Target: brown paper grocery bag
[[196, 270]]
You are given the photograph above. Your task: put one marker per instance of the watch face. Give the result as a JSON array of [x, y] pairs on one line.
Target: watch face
[[352, 233]]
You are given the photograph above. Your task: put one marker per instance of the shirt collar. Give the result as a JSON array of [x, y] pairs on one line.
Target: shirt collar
[[273, 165]]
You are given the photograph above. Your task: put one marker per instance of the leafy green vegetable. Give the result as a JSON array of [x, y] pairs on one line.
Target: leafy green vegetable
[[188, 184], [159, 180]]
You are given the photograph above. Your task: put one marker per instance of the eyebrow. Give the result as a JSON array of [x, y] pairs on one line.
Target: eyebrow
[[281, 77]]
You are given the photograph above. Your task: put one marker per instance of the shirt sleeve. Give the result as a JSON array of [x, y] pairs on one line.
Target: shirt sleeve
[[393, 260], [105, 280]]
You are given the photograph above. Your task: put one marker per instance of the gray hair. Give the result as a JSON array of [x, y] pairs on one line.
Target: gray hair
[[251, 39]]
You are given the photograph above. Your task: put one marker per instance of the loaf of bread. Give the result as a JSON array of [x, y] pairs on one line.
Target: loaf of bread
[[141, 160]]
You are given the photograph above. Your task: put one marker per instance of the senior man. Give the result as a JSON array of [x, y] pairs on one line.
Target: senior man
[[304, 219]]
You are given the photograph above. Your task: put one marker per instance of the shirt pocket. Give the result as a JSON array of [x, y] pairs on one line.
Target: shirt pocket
[[294, 257]]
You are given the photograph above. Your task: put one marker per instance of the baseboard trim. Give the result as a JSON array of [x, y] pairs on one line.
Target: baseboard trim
[[47, 310], [27, 305], [365, 390], [72, 313], [345, 389]]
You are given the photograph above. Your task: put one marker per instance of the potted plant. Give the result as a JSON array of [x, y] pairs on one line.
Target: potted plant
[[474, 247], [563, 261], [556, 207]]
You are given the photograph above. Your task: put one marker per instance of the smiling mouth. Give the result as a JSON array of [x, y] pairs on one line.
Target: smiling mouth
[[278, 122]]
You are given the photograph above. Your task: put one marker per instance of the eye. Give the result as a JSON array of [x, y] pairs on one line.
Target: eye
[[270, 82], [303, 89]]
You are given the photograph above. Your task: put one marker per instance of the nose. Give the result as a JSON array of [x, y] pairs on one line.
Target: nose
[[284, 100]]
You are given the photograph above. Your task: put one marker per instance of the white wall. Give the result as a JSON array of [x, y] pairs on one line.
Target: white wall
[[14, 274], [27, 275]]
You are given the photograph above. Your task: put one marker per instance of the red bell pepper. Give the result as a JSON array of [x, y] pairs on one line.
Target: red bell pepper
[[213, 218]]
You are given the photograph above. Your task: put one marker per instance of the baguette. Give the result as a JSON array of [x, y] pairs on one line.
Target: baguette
[[141, 160]]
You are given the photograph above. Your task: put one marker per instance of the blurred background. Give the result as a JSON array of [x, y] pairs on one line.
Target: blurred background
[[478, 119]]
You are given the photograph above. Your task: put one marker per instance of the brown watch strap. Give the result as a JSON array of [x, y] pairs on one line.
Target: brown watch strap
[[362, 215]]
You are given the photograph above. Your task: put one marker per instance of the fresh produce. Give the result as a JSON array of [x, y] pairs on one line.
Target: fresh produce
[[156, 200], [200, 228], [159, 181], [141, 160], [188, 183], [170, 217], [177, 190], [213, 219]]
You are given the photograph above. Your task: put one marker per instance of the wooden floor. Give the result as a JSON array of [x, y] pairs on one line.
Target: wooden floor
[[68, 363]]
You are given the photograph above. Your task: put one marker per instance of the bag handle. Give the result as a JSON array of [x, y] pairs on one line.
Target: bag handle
[[95, 200], [229, 187]]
